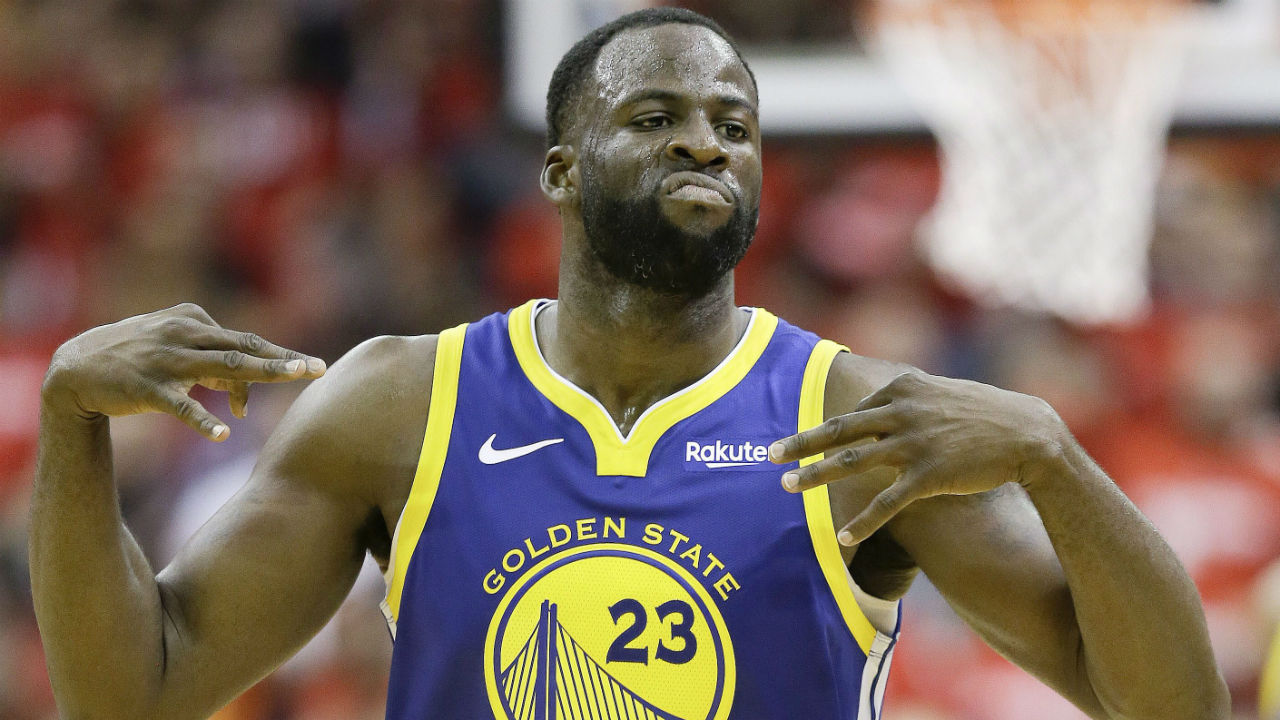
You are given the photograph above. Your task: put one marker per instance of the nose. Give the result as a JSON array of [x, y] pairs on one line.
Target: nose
[[696, 141]]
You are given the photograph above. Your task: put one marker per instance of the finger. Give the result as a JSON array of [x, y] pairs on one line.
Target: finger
[[192, 310], [839, 430], [183, 407], [879, 398], [842, 464], [901, 385], [238, 398], [221, 368], [216, 338], [237, 393], [882, 509]]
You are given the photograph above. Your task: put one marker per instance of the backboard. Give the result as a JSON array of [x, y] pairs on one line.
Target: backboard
[[821, 82]]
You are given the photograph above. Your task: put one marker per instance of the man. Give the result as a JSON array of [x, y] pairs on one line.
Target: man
[[589, 528]]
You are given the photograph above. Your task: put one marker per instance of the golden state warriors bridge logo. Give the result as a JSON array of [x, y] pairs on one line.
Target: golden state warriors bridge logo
[[616, 628]]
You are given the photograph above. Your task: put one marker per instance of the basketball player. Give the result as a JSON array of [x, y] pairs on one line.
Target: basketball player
[[620, 508]]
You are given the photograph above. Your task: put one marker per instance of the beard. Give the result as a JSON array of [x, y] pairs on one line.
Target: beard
[[636, 243]]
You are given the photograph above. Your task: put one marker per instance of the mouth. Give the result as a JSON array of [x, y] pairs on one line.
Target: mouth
[[696, 187]]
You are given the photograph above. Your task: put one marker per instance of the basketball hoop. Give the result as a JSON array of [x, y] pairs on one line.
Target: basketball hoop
[[1051, 116]]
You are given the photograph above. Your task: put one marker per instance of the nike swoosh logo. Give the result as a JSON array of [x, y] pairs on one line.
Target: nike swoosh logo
[[492, 456]]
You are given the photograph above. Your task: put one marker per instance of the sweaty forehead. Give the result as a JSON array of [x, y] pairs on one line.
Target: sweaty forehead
[[674, 57]]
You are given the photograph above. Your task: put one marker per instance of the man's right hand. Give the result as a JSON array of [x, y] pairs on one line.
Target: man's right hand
[[149, 363]]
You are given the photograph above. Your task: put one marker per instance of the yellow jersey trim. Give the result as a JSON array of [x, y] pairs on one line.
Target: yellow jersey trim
[[426, 480], [629, 455], [1269, 692], [817, 501]]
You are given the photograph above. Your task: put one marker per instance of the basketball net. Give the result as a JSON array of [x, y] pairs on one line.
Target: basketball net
[[1051, 116]]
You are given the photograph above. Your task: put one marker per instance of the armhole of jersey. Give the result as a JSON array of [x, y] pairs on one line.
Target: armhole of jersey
[[817, 501], [426, 479]]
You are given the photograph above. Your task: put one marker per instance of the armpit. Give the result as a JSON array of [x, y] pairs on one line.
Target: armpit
[[882, 568]]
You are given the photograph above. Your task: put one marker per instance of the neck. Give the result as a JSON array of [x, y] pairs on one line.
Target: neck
[[630, 347]]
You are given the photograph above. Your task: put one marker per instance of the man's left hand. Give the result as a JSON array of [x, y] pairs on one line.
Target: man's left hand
[[942, 436]]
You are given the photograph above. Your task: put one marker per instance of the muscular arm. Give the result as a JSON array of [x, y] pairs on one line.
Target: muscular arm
[[1052, 566], [255, 582]]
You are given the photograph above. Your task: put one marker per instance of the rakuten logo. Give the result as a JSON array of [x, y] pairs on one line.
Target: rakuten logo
[[713, 455]]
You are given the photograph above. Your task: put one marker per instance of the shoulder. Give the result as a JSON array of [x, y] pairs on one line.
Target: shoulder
[[358, 429], [880, 566], [383, 374], [853, 377], [886, 564], [380, 369], [919, 528]]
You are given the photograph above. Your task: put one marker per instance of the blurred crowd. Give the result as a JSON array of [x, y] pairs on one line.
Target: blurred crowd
[[321, 171]]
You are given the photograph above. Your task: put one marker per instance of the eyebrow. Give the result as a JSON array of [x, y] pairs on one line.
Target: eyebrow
[[668, 96]]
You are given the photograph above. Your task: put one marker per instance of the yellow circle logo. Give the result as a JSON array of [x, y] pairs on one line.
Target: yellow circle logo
[[608, 631]]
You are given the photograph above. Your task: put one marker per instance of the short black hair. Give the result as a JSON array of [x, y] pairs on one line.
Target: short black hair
[[571, 74]]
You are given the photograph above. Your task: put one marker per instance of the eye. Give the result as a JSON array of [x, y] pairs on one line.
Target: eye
[[735, 131], [652, 122]]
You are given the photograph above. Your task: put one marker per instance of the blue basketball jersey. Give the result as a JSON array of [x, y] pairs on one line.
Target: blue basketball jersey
[[548, 567]]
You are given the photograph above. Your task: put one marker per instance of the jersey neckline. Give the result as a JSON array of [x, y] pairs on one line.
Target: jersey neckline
[[618, 454]]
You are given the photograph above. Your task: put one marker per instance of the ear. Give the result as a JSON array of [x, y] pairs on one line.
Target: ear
[[560, 175]]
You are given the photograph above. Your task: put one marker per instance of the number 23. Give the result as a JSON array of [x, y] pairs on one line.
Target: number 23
[[621, 651]]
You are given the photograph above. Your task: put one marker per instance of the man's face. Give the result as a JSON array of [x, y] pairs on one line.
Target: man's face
[[670, 159]]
